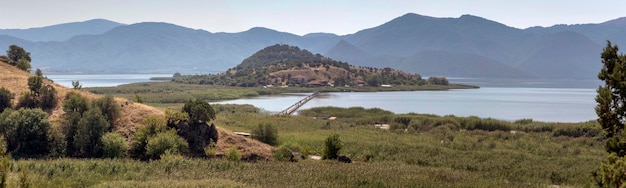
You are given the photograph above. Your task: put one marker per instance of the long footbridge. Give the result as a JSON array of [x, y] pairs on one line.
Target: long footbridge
[[294, 107]]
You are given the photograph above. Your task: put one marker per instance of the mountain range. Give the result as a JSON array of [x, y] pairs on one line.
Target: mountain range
[[467, 46]]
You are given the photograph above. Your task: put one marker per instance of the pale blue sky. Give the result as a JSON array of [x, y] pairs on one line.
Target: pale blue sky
[[302, 16]]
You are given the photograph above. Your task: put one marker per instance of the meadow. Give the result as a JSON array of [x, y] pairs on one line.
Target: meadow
[[418, 150]]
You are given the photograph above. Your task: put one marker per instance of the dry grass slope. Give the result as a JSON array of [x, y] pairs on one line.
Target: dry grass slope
[[132, 114]]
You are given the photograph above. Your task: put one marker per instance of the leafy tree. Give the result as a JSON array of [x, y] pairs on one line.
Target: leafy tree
[[76, 85], [266, 133], [90, 129], [48, 97], [39, 73], [16, 53], [34, 84], [74, 102], [109, 108], [611, 111], [57, 142], [114, 145], [26, 131], [196, 130], [6, 98], [74, 106], [164, 142], [332, 146], [27, 100], [199, 111], [40, 96], [24, 65]]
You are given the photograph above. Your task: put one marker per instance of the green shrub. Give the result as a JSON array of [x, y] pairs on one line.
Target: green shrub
[[87, 139], [48, 97], [154, 125], [163, 142], [26, 131], [114, 145], [283, 154], [109, 108], [266, 133], [332, 146], [6, 98], [233, 154], [58, 143], [578, 131], [524, 121]]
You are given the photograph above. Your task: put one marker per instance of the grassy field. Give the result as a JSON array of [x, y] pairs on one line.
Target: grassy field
[[417, 150], [429, 151]]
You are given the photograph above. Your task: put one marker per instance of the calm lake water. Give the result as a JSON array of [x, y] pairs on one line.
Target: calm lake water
[[544, 104], [555, 101], [103, 80]]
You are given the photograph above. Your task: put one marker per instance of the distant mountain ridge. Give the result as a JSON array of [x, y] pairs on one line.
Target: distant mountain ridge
[[467, 46], [62, 32]]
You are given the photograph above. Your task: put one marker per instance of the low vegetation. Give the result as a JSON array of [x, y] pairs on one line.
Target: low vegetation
[[83, 147], [430, 151]]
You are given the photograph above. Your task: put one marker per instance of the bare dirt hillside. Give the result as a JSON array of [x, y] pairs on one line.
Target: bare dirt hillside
[[132, 114]]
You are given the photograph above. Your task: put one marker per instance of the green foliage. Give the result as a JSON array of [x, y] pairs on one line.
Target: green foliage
[[40, 96], [138, 99], [34, 84], [6, 98], [5, 162], [109, 108], [90, 129], [48, 97], [19, 57], [154, 125], [437, 81], [74, 106], [58, 142], [578, 131], [24, 65], [27, 100], [266, 133], [475, 123], [611, 98], [233, 154], [404, 120], [76, 85], [199, 111], [612, 171], [75, 102], [114, 145], [283, 154], [26, 131], [163, 142], [332, 147]]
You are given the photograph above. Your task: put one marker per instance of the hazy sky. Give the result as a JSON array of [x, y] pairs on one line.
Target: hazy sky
[[302, 16]]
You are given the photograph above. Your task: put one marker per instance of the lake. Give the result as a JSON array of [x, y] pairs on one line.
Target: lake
[[545, 100], [102, 80], [544, 104]]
